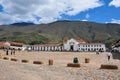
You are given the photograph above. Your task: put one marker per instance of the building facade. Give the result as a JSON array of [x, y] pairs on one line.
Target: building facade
[[45, 47], [15, 45], [81, 45], [69, 45]]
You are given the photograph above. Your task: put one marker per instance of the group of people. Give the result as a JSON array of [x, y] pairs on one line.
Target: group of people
[[12, 51]]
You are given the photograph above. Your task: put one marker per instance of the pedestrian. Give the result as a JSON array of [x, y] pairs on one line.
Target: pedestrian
[[11, 51], [6, 51], [108, 55]]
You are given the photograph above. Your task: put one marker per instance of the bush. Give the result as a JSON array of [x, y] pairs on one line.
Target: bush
[[107, 66], [37, 62], [75, 60], [73, 65]]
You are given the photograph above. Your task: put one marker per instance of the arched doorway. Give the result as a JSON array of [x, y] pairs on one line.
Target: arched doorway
[[71, 48]]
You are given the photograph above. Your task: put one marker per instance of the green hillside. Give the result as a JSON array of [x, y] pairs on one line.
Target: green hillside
[[56, 31]]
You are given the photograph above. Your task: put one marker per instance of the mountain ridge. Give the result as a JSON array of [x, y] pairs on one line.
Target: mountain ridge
[[55, 32]]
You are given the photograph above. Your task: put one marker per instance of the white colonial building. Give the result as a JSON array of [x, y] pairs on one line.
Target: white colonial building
[[81, 45], [15, 45], [69, 45], [45, 47]]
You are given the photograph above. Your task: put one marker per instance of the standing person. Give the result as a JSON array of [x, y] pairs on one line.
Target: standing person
[[108, 55], [11, 51], [6, 51]]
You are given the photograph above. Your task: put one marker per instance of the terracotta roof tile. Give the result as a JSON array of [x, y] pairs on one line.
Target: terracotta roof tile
[[81, 41], [92, 43], [48, 44], [16, 43], [1, 43]]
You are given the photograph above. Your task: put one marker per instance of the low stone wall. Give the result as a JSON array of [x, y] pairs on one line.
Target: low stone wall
[[24, 61], [108, 66], [37, 62], [73, 65], [13, 59]]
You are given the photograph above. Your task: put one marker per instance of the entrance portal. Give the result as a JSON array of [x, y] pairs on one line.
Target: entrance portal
[[71, 48]]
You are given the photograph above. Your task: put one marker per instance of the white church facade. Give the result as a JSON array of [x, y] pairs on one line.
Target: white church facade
[[69, 45], [74, 45]]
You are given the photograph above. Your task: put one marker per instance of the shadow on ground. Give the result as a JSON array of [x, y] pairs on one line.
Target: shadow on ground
[[116, 55]]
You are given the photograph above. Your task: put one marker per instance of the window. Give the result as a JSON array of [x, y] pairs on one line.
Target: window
[[91, 49], [83, 49]]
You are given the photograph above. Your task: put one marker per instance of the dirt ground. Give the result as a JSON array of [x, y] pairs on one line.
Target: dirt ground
[[10, 70]]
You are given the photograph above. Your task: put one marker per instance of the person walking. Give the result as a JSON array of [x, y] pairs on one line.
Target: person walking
[[6, 51], [14, 51], [109, 55], [11, 51]]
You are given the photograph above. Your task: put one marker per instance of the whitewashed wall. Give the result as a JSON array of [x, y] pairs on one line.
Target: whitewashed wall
[[91, 47], [76, 46], [69, 43]]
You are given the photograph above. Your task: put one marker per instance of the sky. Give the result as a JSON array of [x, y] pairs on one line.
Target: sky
[[47, 11]]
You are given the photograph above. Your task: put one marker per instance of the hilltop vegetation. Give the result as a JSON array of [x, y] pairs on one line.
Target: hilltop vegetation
[[56, 31]]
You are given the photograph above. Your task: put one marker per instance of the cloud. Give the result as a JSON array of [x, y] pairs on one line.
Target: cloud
[[84, 20], [115, 3], [115, 21], [6, 19], [43, 11]]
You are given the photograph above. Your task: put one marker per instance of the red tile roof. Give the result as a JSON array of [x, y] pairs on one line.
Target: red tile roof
[[92, 43], [16, 43], [66, 39], [1, 43], [54, 44], [81, 41]]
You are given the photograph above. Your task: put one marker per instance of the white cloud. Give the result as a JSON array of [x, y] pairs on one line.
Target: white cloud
[[115, 21], [6, 19], [43, 11], [87, 16], [84, 20], [115, 3]]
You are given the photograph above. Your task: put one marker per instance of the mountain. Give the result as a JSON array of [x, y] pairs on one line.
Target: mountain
[[55, 32], [22, 24]]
